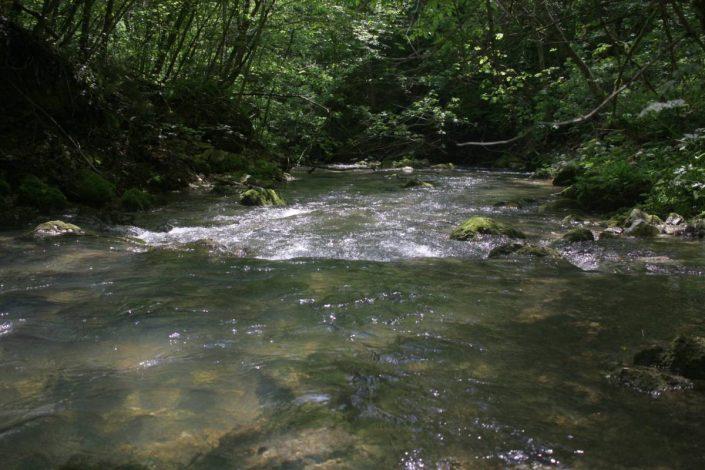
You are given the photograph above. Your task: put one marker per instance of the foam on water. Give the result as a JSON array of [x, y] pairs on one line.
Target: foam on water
[[344, 223]]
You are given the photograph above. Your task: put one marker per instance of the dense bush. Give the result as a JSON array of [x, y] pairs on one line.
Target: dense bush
[[611, 186], [93, 189], [681, 184], [35, 193], [135, 199]]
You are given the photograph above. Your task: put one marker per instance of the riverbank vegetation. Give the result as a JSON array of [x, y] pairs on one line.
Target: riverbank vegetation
[[107, 105]]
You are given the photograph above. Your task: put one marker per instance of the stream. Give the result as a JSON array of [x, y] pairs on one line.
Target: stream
[[345, 330]]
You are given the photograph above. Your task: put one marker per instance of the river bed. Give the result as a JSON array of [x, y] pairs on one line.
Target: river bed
[[344, 330]]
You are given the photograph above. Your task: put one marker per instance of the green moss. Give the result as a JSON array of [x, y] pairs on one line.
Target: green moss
[[483, 226], [261, 197], [91, 188], [35, 193], [135, 199]]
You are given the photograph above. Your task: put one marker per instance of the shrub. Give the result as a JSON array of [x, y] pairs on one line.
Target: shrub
[[93, 189], [136, 200], [34, 192], [611, 186]]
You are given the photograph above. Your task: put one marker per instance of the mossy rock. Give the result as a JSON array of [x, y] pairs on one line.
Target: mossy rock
[[637, 214], [475, 226], [642, 229], [34, 192], [505, 250], [649, 380], [135, 199], [415, 183], [261, 197], [92, 189], [519, 249], [579, 235], [56, 228]]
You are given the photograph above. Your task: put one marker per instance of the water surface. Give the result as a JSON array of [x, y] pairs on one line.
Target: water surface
[[342, 331]]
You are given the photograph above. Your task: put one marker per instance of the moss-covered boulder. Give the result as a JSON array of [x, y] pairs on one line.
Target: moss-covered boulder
[[56, 228], [261, 197], [505, 250], [579, 235], [34, 192], [92, 189], [135, 199], [637, 214], [642, 229], [649, 380], [475, 226], [416, 183]]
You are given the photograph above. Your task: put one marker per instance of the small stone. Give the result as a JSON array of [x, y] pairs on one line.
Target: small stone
[[674, 219], [415, 183]]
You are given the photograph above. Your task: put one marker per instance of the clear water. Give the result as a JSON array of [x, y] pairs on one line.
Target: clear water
[[343, 331]]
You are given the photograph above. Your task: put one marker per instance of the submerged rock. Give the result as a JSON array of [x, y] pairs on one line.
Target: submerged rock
[[483, 226], [56, 228], [649, 380], [261, 197], [523, 250], [505, 250], [416, 183], [579, 235], [686, 357], [611, 232]]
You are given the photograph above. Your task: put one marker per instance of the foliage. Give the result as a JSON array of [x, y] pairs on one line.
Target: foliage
[[93, 189], [35, 193], [135, 199]]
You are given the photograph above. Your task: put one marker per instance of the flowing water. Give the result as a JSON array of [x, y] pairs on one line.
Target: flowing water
[[342, 331]]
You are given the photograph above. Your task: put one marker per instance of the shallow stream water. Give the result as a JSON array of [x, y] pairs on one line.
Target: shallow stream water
[[343, 331]]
